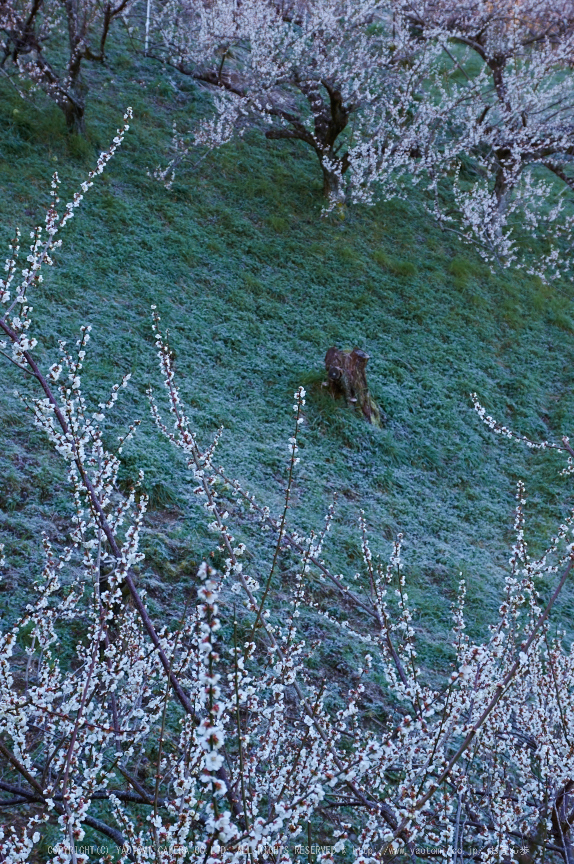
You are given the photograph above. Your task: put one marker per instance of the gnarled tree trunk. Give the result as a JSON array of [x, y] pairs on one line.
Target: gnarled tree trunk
[[347, 376], [333, 184], [330, 120], [74, 110]]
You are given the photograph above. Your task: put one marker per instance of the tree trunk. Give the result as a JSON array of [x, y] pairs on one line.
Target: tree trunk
[[347, 376], [501, 190], [74, 112], [333, 184]]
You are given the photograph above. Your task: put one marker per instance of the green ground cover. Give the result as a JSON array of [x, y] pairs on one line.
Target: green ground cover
[[254, 287]]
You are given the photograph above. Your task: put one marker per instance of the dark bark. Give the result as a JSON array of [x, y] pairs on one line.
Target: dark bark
[[330, 119], [74, 111], [24, 40], [332, 184], [347, 376], [501, 189], [497, 65], [333, 167]]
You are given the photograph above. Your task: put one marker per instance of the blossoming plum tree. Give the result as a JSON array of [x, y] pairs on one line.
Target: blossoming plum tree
[[34, 33], [344, 77], [514, 58], [471, 103], [246, 760]]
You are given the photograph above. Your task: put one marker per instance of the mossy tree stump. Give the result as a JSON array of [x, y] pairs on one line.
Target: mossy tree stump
[[347, 376]]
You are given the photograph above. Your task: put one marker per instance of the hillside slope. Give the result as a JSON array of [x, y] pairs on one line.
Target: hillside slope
[[254, 287]]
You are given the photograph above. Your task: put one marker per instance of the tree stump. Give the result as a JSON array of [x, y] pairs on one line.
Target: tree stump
[[347, 376]]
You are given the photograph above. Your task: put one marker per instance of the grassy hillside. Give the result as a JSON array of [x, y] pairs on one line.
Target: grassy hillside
[[254, 287]]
